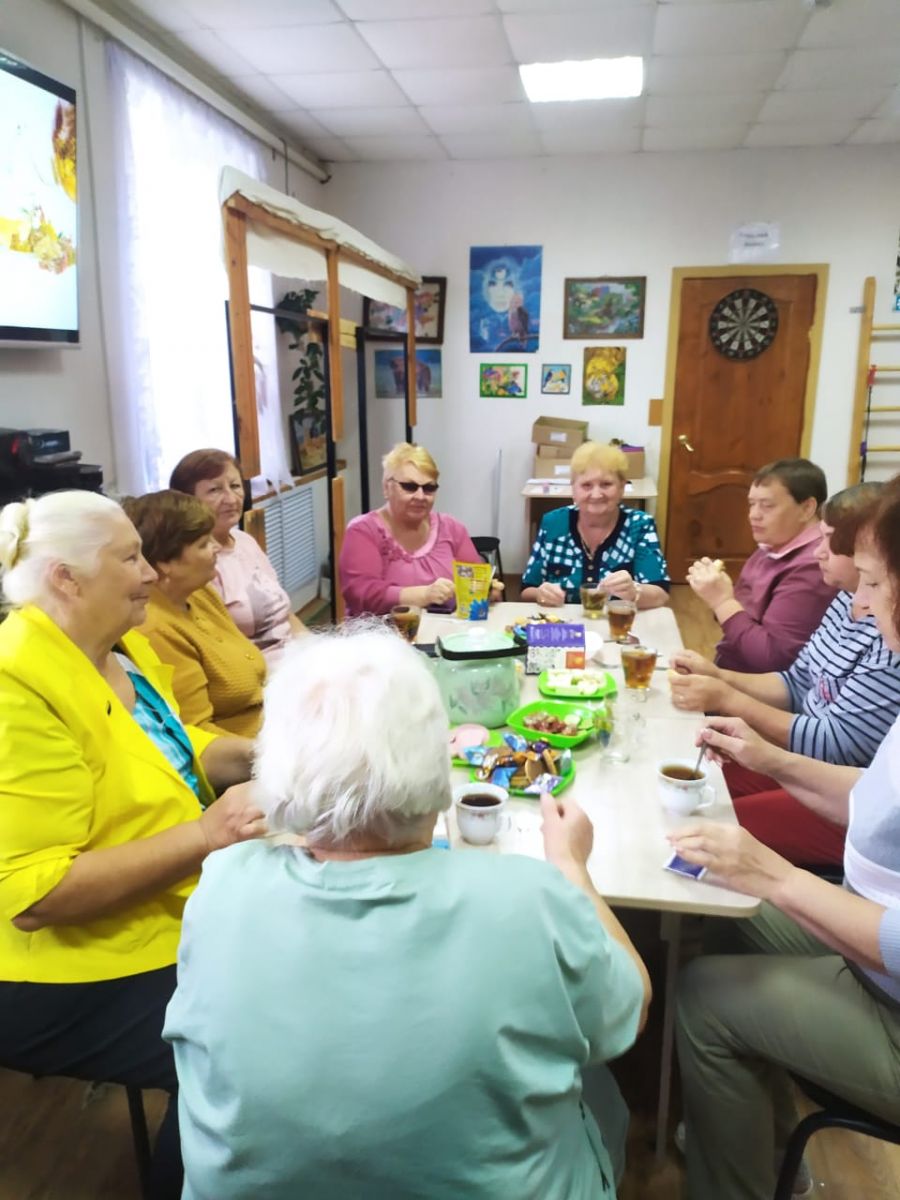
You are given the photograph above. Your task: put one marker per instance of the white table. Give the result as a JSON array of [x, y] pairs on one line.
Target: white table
[[630, 825]]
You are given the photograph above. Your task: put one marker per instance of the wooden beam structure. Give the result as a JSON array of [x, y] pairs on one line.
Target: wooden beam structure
[[861, 384], [241, 335]]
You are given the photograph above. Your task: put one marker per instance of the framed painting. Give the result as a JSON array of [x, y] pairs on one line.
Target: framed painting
[[556, 379], [604, 307], [503, 379], [504, 299], [604, 375], [430, 303], [390, 374]]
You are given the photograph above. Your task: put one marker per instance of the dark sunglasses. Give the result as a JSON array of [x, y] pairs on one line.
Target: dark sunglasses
[[428, 489]]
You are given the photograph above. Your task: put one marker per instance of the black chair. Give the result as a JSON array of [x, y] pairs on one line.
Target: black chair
[[833, 1113], [489, 549]]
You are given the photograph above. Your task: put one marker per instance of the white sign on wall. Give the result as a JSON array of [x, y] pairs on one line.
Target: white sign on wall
[[755, 241]]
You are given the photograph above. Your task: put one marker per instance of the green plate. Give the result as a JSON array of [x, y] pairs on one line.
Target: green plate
[[564, 782], [606, 685], [557, 708]]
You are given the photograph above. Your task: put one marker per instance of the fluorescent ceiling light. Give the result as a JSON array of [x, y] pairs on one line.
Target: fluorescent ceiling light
[[593, 79]]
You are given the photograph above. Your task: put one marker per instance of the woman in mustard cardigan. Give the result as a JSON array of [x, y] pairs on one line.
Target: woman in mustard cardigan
[[219, 673], [102, 829]]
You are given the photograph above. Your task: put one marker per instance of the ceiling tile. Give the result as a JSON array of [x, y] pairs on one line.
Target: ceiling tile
[[398, 10], [329, 149], [591, 141], [300, 122], [341, 89], [589, 114], [478, 85], [517, 144], [714, 73], [878, 66], [479, 118], [680, 137], [370, 122], [806, 133], [261, 90], [239, 14], [564, 6], [291, 50], [395, 149], [741, 27], [476, 42], [556, 37], [210, 47], [163, 14], [822, 105], [876, 132], [864, 22], [703, 110]]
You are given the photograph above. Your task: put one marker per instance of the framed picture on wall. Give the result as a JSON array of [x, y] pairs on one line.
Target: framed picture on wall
[[390, 374], [503, 379], [430, 302], [556, 379], [609, 306], [604, 375]]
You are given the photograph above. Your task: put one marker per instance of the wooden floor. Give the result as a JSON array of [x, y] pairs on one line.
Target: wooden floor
[[54, 1147]]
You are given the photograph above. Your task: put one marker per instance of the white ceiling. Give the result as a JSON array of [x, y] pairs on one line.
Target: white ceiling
[[380, 80]]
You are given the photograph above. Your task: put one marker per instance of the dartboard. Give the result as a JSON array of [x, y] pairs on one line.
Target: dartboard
[[743, 323]]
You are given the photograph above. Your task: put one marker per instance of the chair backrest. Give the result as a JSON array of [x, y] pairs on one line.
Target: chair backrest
[[489, 549]]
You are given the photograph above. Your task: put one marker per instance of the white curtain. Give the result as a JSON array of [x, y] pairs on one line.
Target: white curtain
[[166, 325]]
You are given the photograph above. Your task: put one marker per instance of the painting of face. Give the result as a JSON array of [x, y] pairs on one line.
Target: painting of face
[[504, 298]]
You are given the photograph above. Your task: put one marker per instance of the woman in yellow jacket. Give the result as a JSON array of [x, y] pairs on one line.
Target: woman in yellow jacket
[[102, 821]]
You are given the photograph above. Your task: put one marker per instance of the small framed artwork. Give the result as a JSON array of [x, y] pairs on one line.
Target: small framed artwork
[[503, 379], [556, 379], [604, 307], [390, 374], [604, 375], [430, 302]]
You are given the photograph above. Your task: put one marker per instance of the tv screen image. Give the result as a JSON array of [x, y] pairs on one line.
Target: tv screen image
[[38, 208]]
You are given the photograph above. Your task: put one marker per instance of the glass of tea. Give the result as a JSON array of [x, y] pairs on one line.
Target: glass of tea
[[620, 614], [638, 665], [593, 602], [406, 619]]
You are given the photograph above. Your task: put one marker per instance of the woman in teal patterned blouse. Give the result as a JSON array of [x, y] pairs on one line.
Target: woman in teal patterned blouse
[[597, 541]]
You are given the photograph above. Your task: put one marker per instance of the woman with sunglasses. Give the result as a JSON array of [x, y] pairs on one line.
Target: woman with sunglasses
[[403, 552]]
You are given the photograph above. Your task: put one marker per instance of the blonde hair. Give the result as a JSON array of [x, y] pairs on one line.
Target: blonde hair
[[407, 452], [66, 527], [599, 456]]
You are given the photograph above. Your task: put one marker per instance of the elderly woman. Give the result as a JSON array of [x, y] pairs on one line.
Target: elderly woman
[[780, 595], [102, 831], [244, 578], [403, 552], [364, 1015], [815, 989], [219, 673], [597, 541]]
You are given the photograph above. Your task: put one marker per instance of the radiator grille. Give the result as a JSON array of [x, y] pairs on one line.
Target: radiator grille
[[290, 525]]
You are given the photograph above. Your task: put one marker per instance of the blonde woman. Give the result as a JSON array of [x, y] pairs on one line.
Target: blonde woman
[[597, 540], [403, 552]]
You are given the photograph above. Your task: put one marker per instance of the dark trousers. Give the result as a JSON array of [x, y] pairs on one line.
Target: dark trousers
[[109, 1031]]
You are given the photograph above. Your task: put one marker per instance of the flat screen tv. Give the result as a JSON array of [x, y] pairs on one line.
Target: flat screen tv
[[38, 208]]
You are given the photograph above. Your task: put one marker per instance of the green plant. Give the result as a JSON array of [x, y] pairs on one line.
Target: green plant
[[309, 376]]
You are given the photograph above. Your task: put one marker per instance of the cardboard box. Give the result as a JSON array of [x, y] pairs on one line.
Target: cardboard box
[[545, 451], [554, 647], [552, 468], [636, 465], [559, 431]]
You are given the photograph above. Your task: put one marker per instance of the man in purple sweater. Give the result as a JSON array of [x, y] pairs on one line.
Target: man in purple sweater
[[780, 596]]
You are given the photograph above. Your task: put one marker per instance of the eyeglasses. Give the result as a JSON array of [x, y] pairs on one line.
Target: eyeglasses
[[428, 489]]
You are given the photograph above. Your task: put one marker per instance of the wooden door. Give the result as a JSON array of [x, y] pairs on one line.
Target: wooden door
[[731, 416]]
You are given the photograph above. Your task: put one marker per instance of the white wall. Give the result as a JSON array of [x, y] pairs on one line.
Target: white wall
[[616, 215]]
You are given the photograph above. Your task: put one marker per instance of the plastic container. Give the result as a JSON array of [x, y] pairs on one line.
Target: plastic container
[[478, 676]]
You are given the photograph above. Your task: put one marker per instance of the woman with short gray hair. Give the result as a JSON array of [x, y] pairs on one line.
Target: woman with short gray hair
[[366, 1015]]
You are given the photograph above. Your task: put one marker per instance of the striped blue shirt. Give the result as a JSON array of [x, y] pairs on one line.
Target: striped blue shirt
[[845, 688]]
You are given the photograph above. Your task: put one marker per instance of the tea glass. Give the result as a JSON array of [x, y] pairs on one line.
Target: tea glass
[[593, 603], [620, 614], [638, 665], [406, 619]]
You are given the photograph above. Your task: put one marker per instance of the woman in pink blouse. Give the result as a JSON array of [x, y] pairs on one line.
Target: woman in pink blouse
[[403, 553], [245, 579]]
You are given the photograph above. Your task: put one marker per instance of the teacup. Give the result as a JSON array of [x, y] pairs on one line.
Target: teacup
[[682, 788], [479, 811]]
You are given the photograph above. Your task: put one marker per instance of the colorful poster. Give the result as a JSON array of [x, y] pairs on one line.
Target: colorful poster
[[556, 379], [604, 375], [504, 298], [503, 379], [390, 374]]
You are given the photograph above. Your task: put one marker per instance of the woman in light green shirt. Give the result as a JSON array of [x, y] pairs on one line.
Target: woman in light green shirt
[[368, 1018]]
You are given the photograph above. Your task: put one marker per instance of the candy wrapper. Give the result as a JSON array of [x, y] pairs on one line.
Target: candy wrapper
[[520, 765], [472, 582]]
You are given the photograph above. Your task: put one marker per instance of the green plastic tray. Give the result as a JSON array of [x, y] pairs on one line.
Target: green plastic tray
[[558, 708], [606, 687]]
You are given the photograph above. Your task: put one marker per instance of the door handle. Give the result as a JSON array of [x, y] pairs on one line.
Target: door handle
[[682, 437]]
